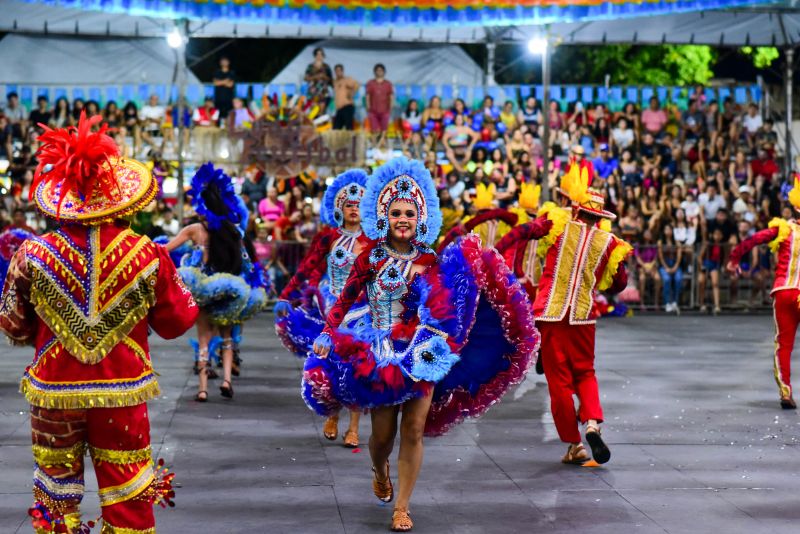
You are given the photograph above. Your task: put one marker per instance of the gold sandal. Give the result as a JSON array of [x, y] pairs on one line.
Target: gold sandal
[[331, 428], [350, 439], [401, 521], [576, 455], [383, 490]]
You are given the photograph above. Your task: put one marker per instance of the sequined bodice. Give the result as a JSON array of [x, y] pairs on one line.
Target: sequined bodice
[[341, 260], [387, 289]]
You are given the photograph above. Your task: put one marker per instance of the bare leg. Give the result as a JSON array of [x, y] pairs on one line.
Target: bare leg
[[204, 332], [701, 290], [409, 461], [715, 289], [355, 415], [381, 442], [227, 361]]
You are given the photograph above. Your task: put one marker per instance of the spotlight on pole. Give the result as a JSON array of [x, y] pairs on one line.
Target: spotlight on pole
[[174, 38], [537, 46]]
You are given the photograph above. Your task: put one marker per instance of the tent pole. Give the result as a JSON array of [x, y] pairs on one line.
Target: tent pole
[[491, 47], [546, 120], [788, 84], [182, 80]]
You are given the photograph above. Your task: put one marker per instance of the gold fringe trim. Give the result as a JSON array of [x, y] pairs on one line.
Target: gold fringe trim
[[81, 400], [108, 528], [560, 218], [616, 257], [784, 229], [127, 490], [120, 457], [48, 456]]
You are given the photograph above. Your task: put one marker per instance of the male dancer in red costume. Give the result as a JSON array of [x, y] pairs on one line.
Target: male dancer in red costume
[[579, 257], [784, 241], [84, 296]]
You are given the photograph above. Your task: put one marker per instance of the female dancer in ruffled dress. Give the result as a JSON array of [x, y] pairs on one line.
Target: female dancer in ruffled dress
[[227, 286], [445, 337], [319, 279]]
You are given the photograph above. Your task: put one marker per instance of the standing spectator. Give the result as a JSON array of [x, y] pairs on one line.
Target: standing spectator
[[152, 115], [271, 208], [41, 115], [646, 254], [319, 78], [654, 119], [380, 101], [670, 258], [344, 91], [711, 257], [224, 81], [16, 114]]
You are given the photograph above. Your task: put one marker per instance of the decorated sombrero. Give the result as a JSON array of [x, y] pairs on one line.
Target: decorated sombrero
[[81, 178], [575, 185]]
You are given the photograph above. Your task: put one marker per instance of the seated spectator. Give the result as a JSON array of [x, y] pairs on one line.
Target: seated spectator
[[556, 118], [751, 124], [630, 171], [17, 115], [414, 147], [152, 116], [710, 202], [79, 105], [767, 139], [92, 108], [670, 257], [112, 115], [692, 123], [458, 141], [684, 232], [6, 138], [411, 118], [632, 116], [712, 122], [130, 117], [692, 209], [19, 221], [602, 131], [271, 208], [168, 223], [649, 153], [307, 225], [508, 117], [744, 207], [622, 137], [515, 145], [207, 115], [730, 120], [240, 117], [62, 115], [460, 108], [433, 116], [654, 119], [765, 166], [41, 115], [530, 115], [739, 171], [631, 225], [698, 156]]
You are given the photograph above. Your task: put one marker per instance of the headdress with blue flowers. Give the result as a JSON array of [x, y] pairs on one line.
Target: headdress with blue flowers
[[401, 178], [207, 176], [347, 187]]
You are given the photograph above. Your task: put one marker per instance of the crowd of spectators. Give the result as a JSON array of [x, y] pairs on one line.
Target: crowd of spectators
[[686, 184]]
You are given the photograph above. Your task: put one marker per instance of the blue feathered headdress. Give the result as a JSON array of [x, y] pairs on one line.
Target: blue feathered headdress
[[409, 180], [206, 176], [243, 214], [347, 187]]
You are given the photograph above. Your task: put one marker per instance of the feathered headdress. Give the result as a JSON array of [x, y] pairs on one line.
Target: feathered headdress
[[794, 193], [575, 184], [205, 177], [529, 196], [80, 176], [347, 187], [484, 196], [401, 178]]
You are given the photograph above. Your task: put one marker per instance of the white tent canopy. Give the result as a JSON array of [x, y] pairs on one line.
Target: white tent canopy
[[46, 60], [406, 63], [776, 25]]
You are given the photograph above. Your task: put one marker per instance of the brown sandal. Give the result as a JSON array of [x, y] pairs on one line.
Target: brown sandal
[[576, 455], [331, 428], [383, 490], [401, 521], [350, 439]]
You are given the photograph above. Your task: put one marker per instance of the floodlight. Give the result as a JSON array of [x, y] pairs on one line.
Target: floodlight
[[537, 46], [174, 38]]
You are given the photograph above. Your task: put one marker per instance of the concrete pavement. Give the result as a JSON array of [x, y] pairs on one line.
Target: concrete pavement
[[698, 444]]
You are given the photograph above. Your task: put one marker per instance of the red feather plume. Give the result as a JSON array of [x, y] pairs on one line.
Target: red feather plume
[[78, 158]]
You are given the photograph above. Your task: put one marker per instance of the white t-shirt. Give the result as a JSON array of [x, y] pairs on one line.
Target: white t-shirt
[[623, 138], [710, 205], [692, 209], [152, 113], [752, 123], [685, 235]]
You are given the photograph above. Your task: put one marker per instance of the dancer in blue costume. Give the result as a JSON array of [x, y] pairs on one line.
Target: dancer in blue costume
[[448, 334], [321, 276], [228, 287]]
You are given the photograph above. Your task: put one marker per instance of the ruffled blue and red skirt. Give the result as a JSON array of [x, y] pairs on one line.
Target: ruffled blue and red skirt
[[467, 333]]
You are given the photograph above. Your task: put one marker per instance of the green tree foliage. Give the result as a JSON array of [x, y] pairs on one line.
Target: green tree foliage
[[657, 65], [762, 56]]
